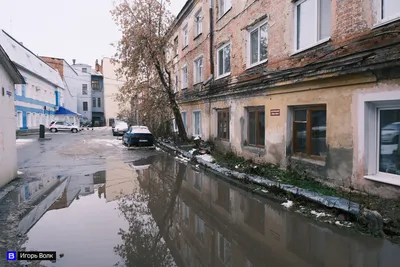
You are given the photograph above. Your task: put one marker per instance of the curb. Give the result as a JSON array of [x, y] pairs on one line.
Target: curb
[[328, 201]]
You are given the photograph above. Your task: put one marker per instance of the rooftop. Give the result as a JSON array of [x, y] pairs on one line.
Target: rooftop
[[26, 59]]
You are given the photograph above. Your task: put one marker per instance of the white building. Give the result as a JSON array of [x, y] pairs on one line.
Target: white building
[[9, 76], [112, 84], [85, 93], [38, 99]]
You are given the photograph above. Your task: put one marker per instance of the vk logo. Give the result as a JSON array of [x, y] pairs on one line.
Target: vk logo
[[11, 255]]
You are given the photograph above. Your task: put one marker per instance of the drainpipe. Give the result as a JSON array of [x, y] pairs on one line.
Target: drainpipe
[[211, 64]]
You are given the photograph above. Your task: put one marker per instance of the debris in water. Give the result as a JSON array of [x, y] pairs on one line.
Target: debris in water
[[288, 204]]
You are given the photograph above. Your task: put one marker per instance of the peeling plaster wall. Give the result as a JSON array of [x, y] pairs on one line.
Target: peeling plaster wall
[[344, 163]]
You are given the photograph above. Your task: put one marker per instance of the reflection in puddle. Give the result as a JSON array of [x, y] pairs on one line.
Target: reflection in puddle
[[159, 212]]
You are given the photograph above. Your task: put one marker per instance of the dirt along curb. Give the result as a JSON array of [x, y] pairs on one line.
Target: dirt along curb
[[372, 219]]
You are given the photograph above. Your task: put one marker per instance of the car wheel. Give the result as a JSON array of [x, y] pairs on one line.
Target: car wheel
[[53, 130], [74, 130]]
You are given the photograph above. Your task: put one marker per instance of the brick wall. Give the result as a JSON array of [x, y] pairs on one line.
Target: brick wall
[[350, 19]]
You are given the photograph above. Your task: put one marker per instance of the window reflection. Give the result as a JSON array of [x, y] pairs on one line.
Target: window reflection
[[389, 128]]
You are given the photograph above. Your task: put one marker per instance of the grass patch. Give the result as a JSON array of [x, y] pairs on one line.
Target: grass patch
[[273, 172]]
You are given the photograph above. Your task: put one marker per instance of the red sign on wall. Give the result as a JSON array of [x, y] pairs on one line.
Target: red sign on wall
[[275, 112]]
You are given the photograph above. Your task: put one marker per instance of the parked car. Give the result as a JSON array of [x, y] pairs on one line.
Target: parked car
[[120, 128], [138, 136], [390, 133], [56, 126]]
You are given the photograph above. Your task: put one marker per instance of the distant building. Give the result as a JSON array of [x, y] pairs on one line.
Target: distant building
[[97, 96], [85, 92], [9, 77], [112, 84], [36, 101]]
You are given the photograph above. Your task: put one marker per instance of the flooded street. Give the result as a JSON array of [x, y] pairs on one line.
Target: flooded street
[[149, 209]]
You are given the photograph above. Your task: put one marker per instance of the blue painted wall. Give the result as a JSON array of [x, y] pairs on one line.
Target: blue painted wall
[[26, 110]]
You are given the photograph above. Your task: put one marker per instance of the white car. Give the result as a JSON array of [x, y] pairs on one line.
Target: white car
[[56, 126], [120, 128]]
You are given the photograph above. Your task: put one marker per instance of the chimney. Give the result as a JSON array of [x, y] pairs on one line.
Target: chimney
[[96, 65], [73, 61]]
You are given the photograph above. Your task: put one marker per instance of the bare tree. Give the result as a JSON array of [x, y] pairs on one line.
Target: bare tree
[[142, 52]]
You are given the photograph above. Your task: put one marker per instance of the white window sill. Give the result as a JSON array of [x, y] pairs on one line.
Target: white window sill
[[386, 178], [311, 46], [384, 22], [249, 66], [223, 76]]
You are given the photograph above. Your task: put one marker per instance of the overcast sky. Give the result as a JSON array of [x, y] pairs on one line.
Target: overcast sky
[[69, 29]]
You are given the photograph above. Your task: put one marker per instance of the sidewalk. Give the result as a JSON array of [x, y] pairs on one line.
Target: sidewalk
[[302, 193]]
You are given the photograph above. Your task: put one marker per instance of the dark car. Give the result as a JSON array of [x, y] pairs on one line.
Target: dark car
[[139, 136]]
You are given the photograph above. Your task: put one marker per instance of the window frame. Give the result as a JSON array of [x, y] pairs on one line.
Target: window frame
[[200, 228], [194, 122], [83, 106], [84, 70], [176, 46], [197, 79], [99, 102], [84, 89], [219, 133], [198, 23], [221, 12], [308, 131], [185, 82], [176, 83], [249, 32], [373, 103], [318, 16], [95, 84], [94, 101], [221, 48], [185, 36], [184, 118], [381, 20], [257, 110]]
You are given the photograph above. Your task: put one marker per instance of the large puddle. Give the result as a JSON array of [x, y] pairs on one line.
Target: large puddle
[[160, 212]]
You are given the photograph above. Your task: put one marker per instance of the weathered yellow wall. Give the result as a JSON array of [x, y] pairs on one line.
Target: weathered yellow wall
[[343, 165]]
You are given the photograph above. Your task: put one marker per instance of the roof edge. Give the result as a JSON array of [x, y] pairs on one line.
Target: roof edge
[[13, 71]]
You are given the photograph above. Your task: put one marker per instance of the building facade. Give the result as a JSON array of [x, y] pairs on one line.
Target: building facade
[[38, 99], [9, 77], [97, 96], [311, 84], [71, 81], [85, 91], [112, 83]]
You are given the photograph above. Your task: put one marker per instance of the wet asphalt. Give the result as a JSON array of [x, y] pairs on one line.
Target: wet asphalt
[[97, 203]]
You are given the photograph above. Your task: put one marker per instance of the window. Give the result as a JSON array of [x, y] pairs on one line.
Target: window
[[185, 213], [198, 181], [224, 249], [176, 85], [96, 85], [309, 131], [19, 117], [85, 106], [258, 44], [176, 46], [94, 102], [99, 102], [84, 70], [184, 77], [224, 6], [184, 118], [200, 229], [224, 60], [390, 9], [197, 122], [388, 144], [198, 70], [87, 189], [256, 126], [223, 124], [185, 36], [198, 22], [313, 22], [84, 89], [2, 91]]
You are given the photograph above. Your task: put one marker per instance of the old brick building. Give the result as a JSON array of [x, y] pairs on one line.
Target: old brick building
[[310, 83]]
